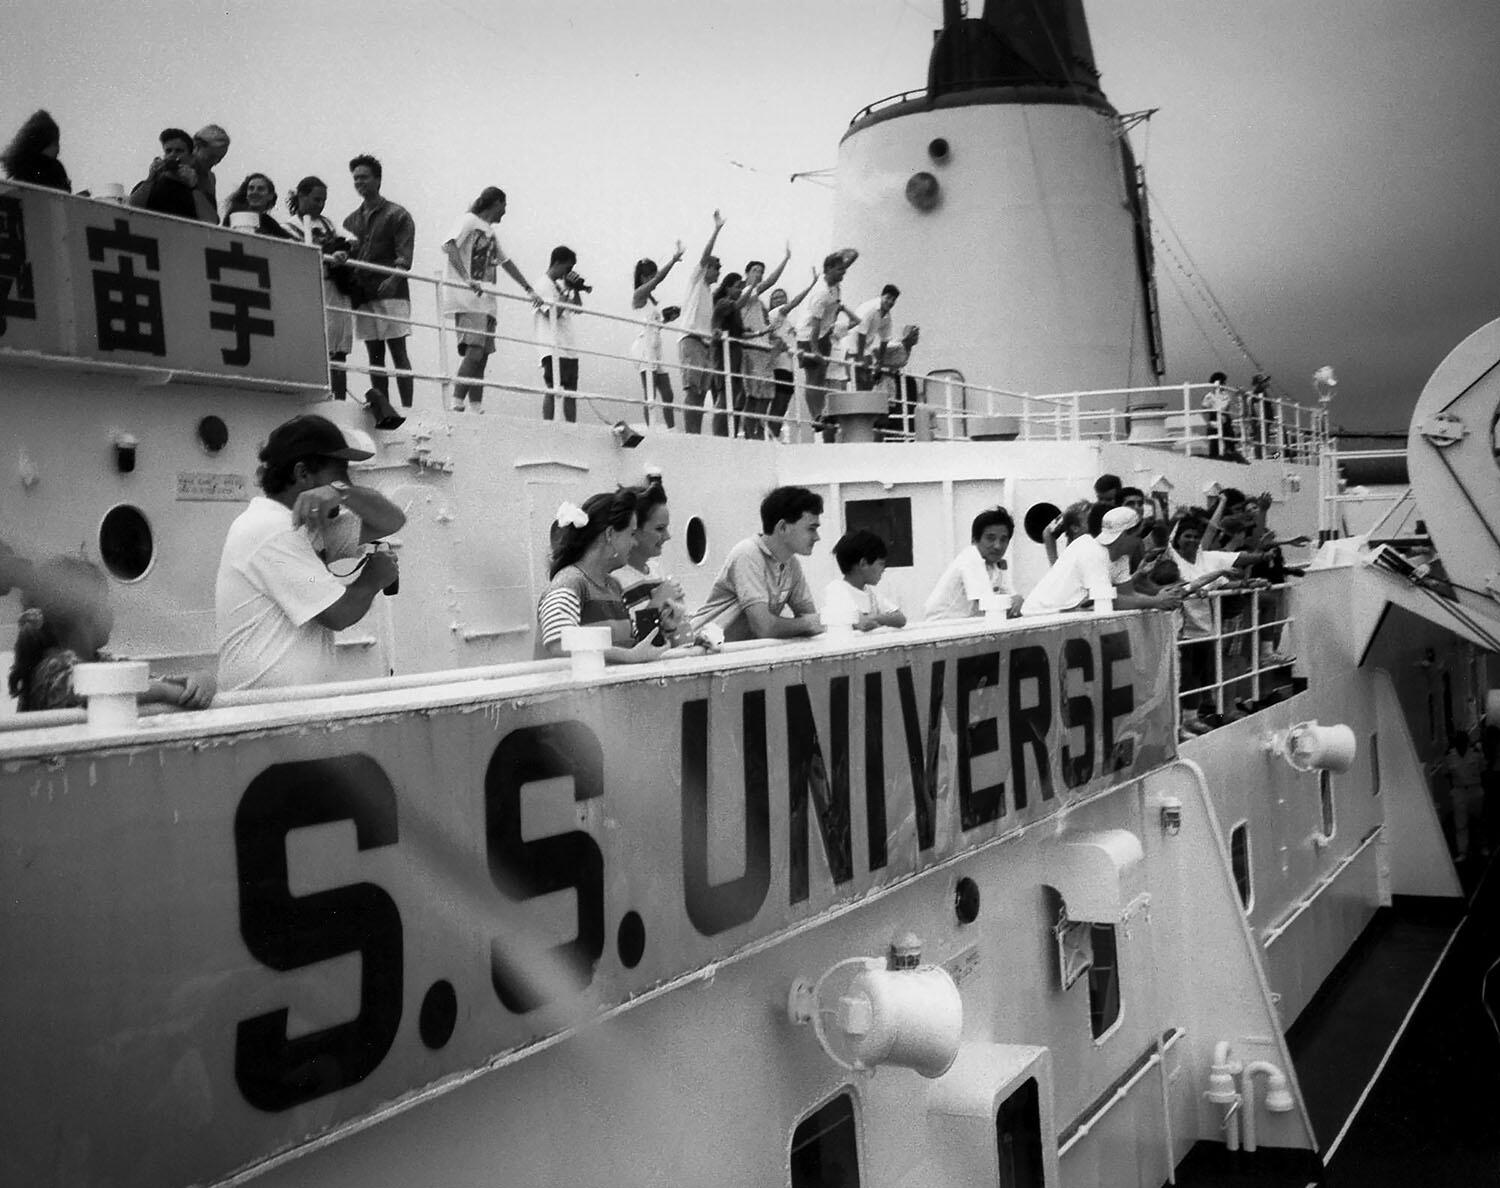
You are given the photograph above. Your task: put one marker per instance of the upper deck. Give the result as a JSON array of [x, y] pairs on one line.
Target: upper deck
[[229, 340]]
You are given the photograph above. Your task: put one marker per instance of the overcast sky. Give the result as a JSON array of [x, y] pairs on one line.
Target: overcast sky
[[1331, 167]]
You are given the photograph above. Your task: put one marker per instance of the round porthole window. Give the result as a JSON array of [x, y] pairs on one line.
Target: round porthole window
[[697, 541], [125, 543], [923, 191], [937, 149], [213, 434]]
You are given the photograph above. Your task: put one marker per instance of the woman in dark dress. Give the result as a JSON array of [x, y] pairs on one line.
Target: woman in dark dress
[[32, 155]]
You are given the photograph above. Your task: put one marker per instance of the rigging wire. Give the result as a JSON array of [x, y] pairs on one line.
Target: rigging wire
[[1199, 282]]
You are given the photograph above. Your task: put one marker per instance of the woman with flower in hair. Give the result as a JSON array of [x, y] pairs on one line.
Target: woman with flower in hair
[[588, 544], [67, 621]]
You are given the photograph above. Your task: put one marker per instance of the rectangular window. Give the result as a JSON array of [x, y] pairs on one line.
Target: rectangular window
[[1325, 804], [1374, 763], [889, 519], [1104, 982], [825, 1147], [1239, 862]]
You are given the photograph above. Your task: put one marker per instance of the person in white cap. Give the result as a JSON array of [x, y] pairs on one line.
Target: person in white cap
[[1083, 572], [276, 602]]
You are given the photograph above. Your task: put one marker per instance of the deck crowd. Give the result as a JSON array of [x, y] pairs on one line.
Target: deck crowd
[[278, 603], [739, 334]]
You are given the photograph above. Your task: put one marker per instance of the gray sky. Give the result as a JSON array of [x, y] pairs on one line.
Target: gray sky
[[1330, 166]]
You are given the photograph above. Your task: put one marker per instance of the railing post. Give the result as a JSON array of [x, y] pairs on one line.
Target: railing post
[[1187, 419], [445, 365], [1255, 648], [1074, 418], [1218, 620], [726, 353]]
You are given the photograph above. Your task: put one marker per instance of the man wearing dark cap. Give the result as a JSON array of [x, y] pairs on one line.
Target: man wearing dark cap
[[276, 604]]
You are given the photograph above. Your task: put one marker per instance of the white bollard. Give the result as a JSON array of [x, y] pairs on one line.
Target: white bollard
[[586, 647], [111, 688]]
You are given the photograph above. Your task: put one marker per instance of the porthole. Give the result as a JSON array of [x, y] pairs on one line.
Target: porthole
[[923, 191], [937, 148], [1239, 864], [1037, 518], [697, 540], [966, 901], [213, 434], [125, 543]]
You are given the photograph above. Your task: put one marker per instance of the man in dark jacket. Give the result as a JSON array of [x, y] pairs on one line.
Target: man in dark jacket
[[168, 188]]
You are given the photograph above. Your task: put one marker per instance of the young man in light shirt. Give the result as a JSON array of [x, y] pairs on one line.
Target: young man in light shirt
[[761, 577], [978, 573], [853, 598]]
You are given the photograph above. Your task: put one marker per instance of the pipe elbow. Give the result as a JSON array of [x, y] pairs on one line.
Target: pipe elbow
[[1278, 1089]]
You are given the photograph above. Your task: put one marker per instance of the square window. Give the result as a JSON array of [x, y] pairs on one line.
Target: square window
[[889, 519]]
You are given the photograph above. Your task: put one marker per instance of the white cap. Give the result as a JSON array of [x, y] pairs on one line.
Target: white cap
[[1117, 521]]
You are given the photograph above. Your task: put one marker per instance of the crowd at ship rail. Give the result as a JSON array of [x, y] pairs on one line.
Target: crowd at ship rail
[[305, 559]]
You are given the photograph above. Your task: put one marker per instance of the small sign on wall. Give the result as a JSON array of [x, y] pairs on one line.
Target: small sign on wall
[[197, 486]]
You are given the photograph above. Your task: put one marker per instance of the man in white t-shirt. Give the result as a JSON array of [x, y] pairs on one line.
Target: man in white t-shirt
[[873, 332], [978, 573], [1083, 572], [695, 348], [276, 604], [564, 290], [820, 314], [471, 255], [853, 598]]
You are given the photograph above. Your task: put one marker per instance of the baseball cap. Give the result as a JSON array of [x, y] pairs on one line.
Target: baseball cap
[[309, 436], [1117, 522]]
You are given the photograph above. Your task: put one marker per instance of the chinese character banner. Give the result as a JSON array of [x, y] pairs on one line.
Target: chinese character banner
[[104, 281]]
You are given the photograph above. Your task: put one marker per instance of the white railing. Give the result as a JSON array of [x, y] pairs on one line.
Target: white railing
[[935, 406], [1245, 619]]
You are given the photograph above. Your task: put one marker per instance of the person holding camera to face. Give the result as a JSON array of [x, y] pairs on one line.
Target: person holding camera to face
[[169, 186], [277, 602], [554, 331]]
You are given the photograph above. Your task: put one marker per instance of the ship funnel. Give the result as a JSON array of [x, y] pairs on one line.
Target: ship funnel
[[1042, 43]]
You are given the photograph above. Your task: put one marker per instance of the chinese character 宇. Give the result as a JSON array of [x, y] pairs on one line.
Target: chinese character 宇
[[238, 319]]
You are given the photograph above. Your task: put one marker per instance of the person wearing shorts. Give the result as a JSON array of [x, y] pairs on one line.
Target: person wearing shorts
[[472, 253], [384, 234]]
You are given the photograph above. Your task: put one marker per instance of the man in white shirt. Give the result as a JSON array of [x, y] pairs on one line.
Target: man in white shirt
[[472, 253], [554, 331], [276, 604], [853, 598], [1083, 572], [1221, 408], [978, 573], [695, 348], [873, 331], [820, 314]]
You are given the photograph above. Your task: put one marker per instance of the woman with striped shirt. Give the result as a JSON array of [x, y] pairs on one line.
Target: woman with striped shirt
[[588, 544]]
